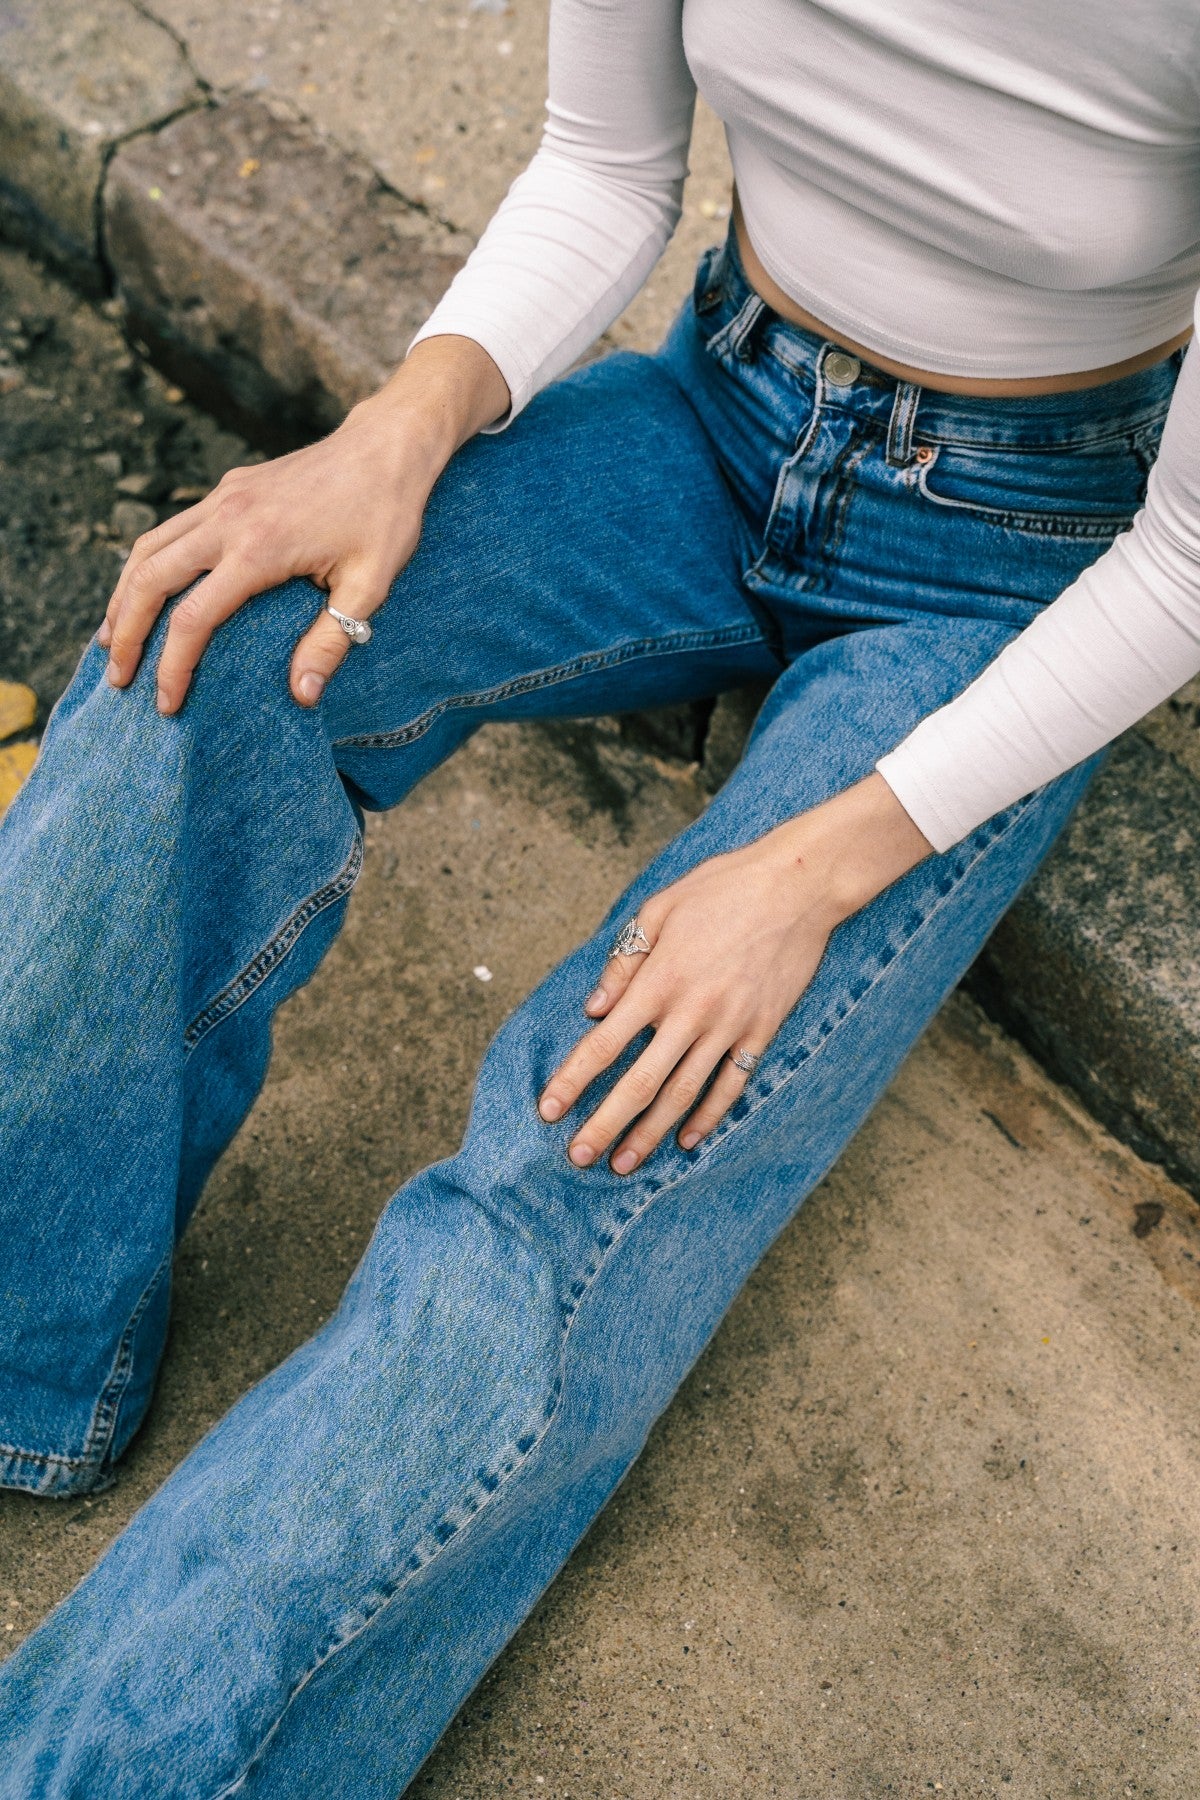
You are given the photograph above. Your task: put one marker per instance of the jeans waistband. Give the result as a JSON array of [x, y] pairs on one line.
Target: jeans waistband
[[1078, 416]]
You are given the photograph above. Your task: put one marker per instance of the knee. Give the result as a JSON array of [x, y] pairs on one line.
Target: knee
[[243, 668]]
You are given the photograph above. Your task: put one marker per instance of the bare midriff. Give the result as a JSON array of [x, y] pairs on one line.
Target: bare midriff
[[787, 308]]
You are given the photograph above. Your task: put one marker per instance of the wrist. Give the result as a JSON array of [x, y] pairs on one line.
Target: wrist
[[853, 846], [445, 390]]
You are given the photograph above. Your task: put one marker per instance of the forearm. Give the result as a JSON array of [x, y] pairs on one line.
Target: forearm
[[581, 227]]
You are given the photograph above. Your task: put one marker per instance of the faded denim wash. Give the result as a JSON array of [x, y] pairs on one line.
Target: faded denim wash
[[304, 1604]]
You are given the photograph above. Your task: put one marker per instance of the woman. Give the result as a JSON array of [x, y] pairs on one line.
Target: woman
[[887, 457]]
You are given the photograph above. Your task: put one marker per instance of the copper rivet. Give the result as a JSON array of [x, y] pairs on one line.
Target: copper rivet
[[924, 454]]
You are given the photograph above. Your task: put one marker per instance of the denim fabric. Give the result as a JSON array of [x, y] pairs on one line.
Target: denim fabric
[[307, 1600]]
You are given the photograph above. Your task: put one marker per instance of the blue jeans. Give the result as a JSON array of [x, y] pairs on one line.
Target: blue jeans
[[304, 1604]]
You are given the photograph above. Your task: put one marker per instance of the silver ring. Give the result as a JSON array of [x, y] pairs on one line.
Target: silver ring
[[745, 1060], [631, 940], [357, 630]]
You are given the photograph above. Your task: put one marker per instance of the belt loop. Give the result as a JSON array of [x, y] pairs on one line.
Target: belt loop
[[741, 328], [900, 425]]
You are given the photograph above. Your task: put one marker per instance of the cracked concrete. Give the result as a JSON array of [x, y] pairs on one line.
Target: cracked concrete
[[360, 75], [74, 83]]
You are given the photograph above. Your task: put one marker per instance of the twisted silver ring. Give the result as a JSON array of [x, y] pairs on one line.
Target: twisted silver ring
[[745, 1060], [631, 940], [357, 630]]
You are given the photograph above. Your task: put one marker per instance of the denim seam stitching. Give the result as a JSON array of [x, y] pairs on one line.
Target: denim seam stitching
[[804, 443], [586, 664], [842, 475], [1142, 425], [104, 1419], [99, 1431], [237, 991], [444, 1529], [751, 1100], [1061, 524]]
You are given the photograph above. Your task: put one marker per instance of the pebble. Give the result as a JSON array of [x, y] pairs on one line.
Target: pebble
[[109, 462], [130, 518], [134, 484]]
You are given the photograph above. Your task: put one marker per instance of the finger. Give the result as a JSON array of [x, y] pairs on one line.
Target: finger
[[679, 1092], [596, 1050], [149, 544], [633, 1094], [619, 971], [228, 586], [725, 1090], [158, 575], [325, 645]]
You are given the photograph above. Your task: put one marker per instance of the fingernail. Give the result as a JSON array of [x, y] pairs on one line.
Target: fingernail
[[104, 635], [595, 999], [311, 686], [162, 701], [624, 1160], [551, 1109], [581, 1155], [690, 1139], [112, 674]]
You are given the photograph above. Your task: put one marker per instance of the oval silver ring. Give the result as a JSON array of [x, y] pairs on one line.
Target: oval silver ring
[[745, 1060], [357, 630]]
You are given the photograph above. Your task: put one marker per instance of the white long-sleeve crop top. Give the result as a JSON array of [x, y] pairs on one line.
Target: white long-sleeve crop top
[[988, 190]]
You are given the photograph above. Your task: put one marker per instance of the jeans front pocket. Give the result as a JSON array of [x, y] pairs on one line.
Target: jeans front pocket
[[1089, 489]]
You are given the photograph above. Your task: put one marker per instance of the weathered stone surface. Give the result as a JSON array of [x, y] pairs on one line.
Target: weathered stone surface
[[74, 81], [103, 413], [445, 101], [1097, 966], [1175, 727], [270, 274]]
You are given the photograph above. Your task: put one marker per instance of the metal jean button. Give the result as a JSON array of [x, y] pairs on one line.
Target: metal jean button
[[841, 369]]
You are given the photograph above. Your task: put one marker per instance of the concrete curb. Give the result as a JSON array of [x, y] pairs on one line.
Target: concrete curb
[[277, 279], [1096, 966], [75, 84]]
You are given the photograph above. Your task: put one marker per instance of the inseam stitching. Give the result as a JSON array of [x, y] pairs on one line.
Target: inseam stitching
[[443, 1529], [104, 1419], [553, 677], [99, 1434], [251, 976]]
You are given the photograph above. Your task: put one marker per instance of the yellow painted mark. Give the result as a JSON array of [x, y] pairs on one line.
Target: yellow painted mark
[[15, 763], [18, 707]]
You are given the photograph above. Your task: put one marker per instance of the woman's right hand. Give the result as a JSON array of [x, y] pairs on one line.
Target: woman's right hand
[[345, 511]]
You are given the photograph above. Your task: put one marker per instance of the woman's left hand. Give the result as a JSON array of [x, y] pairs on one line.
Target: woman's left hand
[[734, 944]]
